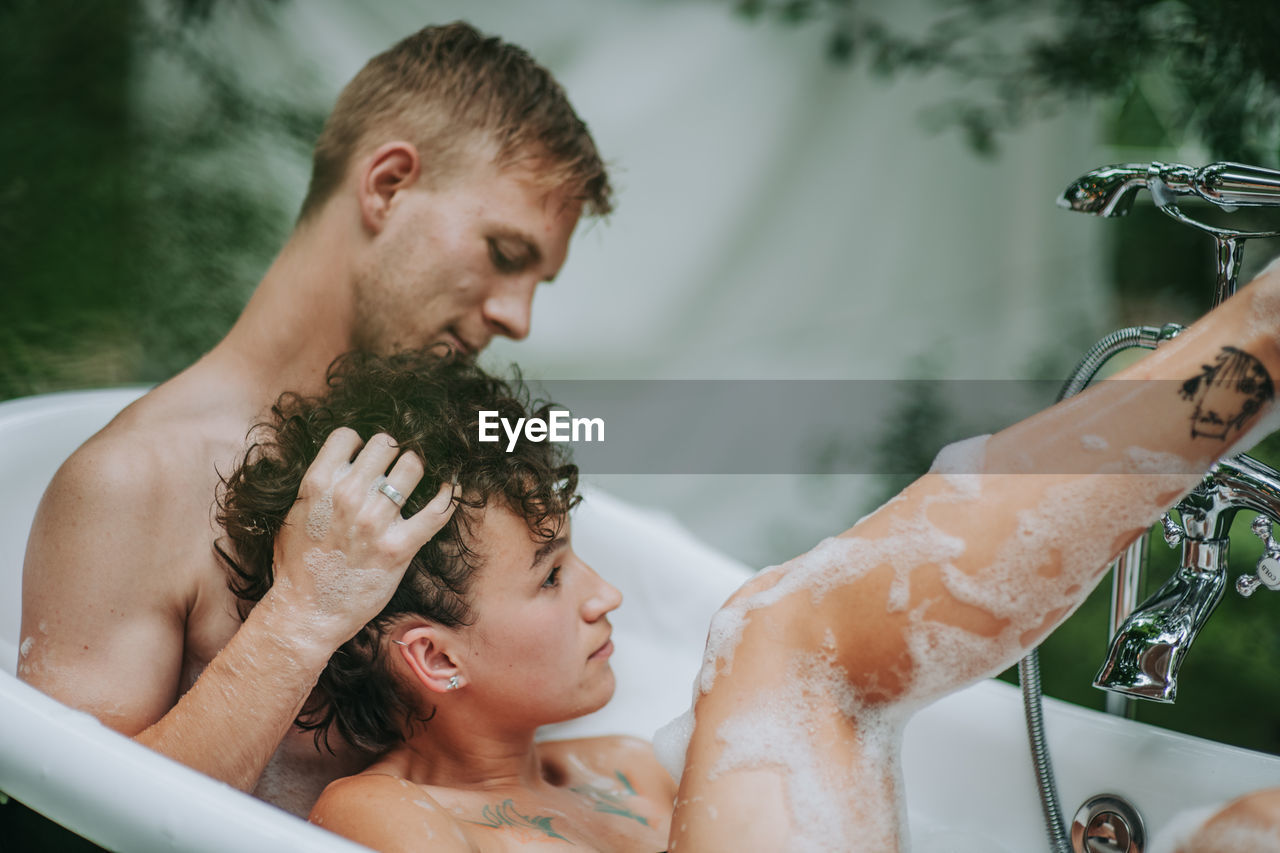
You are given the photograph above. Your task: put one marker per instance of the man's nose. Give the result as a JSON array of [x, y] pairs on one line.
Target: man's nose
[[509, 309]]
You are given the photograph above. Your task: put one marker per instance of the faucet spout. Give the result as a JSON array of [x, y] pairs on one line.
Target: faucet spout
[[1108, 191], [1147, 651]]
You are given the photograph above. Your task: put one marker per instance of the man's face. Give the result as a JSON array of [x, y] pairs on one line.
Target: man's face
[[538, 651], [458, 262]]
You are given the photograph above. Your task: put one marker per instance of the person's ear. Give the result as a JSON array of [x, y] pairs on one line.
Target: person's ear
[[393, 167], [426, 653]]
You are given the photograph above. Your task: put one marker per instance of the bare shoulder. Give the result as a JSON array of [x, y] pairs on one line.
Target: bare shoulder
[[629, 760], [143, 481], [113, 466], [388, 814], [118, 550], [116, 498]]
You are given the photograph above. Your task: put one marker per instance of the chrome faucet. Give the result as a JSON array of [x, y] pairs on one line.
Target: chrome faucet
[[1150, 645], [1111, 190], [1150, 641]]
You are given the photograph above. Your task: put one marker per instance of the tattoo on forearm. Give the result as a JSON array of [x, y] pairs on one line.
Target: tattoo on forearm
[[610, 802], [505, 816], [1226, 394]]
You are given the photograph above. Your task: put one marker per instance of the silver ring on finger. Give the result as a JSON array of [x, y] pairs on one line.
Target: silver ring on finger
[[393, 494]]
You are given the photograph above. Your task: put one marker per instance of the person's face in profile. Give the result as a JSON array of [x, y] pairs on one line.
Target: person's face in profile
[[458, 261], [539, 648]]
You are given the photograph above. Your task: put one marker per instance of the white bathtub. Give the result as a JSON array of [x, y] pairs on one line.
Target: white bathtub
[[968, 775]]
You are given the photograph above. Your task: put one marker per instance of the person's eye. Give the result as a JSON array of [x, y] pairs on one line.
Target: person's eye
[[553, 579], [502, 261]]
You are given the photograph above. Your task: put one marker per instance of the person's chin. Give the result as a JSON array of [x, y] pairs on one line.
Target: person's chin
[[613, 682], [608, 687]]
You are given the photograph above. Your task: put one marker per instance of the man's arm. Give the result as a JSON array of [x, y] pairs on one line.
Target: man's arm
[[106, 612], [103, 612]]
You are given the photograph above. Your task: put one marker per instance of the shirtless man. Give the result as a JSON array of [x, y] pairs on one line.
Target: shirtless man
[[446, 185]]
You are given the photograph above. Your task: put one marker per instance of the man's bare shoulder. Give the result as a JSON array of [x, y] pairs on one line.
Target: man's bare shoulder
[[132, 500], [119, 551], [389, 814], [159, 433], [150, 464]]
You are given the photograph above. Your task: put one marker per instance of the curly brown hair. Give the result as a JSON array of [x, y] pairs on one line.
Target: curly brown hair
[[429, 402]]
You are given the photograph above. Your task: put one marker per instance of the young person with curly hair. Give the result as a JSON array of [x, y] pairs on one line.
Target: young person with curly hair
[[497, 627], [811, 669]]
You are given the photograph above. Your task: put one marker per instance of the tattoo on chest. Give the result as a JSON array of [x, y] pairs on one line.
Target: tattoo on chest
[[1226, 393], [505, 816], [611, 802], [531, 827]]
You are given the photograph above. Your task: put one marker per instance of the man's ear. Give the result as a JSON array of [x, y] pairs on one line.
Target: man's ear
[[427, 655], [393, 167]]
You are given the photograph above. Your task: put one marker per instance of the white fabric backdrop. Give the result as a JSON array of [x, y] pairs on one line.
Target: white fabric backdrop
[[778, 217]]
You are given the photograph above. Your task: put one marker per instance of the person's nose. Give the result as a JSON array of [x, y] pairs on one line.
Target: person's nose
[[604, 597], [509, 309]]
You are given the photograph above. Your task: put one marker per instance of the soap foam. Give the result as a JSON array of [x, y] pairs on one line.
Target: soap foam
[[336, 581], [1174, 835], [961, 463], [671, 743], [28, 664], [834, 563], [1143, 461], [1093, 442], [838, 561], [1009, 588], [1034, 578], [1268, 423], [320, 516], [830, 804], [1236, 837]]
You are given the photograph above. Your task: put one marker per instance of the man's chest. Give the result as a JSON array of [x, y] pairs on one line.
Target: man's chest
[[299, 770]]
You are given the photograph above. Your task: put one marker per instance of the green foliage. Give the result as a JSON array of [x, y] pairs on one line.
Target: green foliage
[[1170, 72], [1213, 62], [123, 257]]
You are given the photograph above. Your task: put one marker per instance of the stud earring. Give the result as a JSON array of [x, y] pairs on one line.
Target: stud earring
[[453, 682]]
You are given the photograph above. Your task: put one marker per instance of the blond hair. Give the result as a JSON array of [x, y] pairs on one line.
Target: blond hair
[[446, 88]]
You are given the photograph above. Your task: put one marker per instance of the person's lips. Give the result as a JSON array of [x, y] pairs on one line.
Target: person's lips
[[602, 652], [458, 344], [464, 346]]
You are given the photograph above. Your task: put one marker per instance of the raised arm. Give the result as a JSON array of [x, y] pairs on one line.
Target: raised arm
[[952, 581], [110, 616]]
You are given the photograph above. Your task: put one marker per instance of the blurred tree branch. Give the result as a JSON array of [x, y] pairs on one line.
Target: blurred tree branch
[[131, 230], [1213, 64]]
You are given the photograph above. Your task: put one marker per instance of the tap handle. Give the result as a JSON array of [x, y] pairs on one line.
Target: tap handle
[[1267, 572], [1261, 528], [1173, 533], [1246, 585]]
